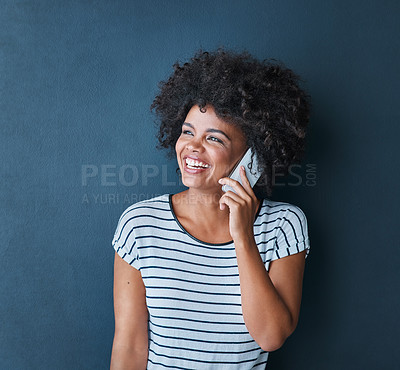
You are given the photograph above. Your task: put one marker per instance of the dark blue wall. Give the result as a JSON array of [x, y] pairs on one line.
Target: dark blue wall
[[77, 147]]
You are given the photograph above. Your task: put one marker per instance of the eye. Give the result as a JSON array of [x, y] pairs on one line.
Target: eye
[[216, 139], [212, 138]]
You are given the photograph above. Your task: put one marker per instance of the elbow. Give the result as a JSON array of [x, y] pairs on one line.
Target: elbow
[[275, 339], [272, 344], [272, 333]]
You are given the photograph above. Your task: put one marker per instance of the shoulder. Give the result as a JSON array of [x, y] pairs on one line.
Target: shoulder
[[160, 199], [282, 210], [148, 211], [285, 226], [282, 218], [160, 202]]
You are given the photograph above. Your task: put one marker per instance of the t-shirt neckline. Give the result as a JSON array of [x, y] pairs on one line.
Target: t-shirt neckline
[[198, 240]]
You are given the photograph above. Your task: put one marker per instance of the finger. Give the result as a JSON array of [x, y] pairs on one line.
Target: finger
[[246, 184], [227, 199], [231, 199], [244, 190], [236, 185], [245, 180]]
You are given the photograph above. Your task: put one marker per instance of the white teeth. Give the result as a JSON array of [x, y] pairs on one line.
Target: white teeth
[[192, 167], [191, 163]]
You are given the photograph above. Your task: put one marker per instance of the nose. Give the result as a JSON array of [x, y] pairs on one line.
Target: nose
[[194, 145]]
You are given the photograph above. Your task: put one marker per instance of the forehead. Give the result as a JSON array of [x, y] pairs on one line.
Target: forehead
[[209, 119]]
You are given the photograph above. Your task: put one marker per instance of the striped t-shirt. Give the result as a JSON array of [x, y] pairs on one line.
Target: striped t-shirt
[[193, 287]]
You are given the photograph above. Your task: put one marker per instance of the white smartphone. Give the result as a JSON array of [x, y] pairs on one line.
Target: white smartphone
[[252, 175]]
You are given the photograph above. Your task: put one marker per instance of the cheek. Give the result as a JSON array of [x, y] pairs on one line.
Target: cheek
[[179, 145], [224, 162]]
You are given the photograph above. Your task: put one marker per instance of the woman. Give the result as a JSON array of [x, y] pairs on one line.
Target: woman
[[205, 279]]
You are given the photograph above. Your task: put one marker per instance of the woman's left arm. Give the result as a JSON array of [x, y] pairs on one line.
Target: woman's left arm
[[270, 299]]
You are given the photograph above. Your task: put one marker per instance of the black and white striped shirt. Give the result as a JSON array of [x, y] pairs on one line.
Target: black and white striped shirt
[[192, 287]]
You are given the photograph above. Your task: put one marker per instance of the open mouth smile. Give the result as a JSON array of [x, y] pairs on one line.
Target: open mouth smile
[[195, 166]]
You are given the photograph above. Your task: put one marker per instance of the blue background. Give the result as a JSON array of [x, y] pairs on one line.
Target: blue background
[[78, 143]]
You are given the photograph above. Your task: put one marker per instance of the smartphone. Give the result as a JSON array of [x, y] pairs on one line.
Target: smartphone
[[252, 175]]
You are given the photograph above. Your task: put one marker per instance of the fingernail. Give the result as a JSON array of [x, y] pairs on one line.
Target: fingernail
[[242, 168], [220, 181]]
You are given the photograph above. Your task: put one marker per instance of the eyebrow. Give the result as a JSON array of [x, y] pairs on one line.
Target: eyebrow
[[208, 130]]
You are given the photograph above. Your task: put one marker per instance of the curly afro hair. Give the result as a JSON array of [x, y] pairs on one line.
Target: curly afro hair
[[263, 99]]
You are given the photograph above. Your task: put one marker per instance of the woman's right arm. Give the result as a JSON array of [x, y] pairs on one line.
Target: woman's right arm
[[130, 346]]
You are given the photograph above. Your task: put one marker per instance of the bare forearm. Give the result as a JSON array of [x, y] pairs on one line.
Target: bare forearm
[[127, 358], [266, 316]]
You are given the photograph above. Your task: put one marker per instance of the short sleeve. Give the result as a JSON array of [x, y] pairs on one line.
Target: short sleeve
[[124, 241], [292, 236]]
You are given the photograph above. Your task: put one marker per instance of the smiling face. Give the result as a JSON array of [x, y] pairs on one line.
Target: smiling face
[[207, 149]]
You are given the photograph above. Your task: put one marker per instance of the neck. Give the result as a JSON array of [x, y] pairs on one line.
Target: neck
[[203, 206]]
